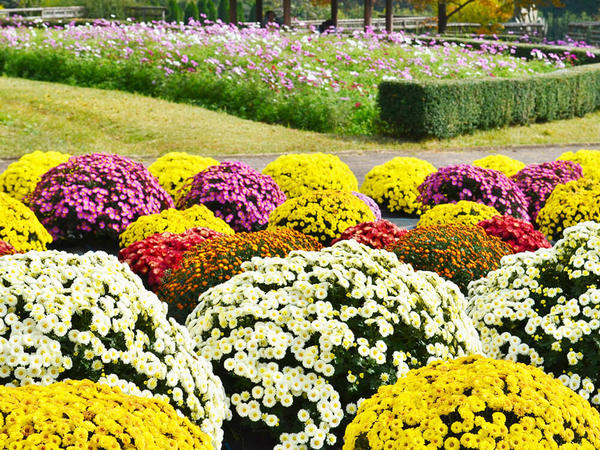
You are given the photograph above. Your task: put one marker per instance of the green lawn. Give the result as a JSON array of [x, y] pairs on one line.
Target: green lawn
[[47, 116]]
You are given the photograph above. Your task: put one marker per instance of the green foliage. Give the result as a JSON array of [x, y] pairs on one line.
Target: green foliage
[[224, 10], [202, 7], [191, 12], [174, 12], [211, 10]]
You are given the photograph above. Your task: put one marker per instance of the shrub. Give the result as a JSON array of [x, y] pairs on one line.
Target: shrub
[[236, 193], [152, 256], [458, 253], [299, 174], [96, 195], [6, 249], [475, 402], [537, 181], [378, 234], [19, 227], [370, 203], [324, 215], [465, 182], [589, 160], [463, 212], [20, 177], [174, 169], [502, 163], [215, 261], [91, 415], [520, 235], [541, 309], [91, 318], [173, 221], [299, 341], [394, 184]]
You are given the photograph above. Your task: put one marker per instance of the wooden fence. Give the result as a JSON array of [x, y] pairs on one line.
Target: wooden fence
[[585, 31], [66, 12]]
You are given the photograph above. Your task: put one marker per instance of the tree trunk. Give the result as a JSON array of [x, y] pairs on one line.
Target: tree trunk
[[232, 11], [334, 13], [368, 13], [389, 14], [259, 11], [442, 17], [287, 12]]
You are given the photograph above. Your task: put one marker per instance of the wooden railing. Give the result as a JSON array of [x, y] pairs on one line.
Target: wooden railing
[[66, 12], [146, 12], [521, 28], [585, 31]]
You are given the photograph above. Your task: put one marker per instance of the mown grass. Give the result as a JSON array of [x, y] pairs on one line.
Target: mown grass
[[47, 116]]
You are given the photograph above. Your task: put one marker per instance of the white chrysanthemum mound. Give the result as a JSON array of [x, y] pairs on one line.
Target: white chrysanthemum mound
[[299, 341], [543, 309], [64, 316]]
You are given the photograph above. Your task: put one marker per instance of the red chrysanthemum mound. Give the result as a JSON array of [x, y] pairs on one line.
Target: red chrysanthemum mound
[[520, 234], [215, 261], [6, 249], [378, 234], [150, 257]]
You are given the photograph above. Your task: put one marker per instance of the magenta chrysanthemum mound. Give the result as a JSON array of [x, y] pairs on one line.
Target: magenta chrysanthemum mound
[[236, 193], [378, 234], [466, 182], [96, 195], [537, 181], [373, 206]]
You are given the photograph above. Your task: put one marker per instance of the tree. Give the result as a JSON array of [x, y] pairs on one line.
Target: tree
[[224, 11], [202, 8], [211, 10], [174, 13], [191, 12]]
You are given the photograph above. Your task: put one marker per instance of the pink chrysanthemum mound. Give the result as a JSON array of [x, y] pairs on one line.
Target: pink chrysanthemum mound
[[520, 234], [150, 258], [378, 234], [6, 249]]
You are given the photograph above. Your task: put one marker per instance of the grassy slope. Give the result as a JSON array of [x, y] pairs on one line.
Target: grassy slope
[[47, 116]]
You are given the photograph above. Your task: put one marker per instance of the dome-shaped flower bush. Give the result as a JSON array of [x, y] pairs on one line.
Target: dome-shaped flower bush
[[502, 163], [477, 403], [20, 227], [84, 414], [542, 309], [174, 169], [65, 316], [20, 178], [589, 160], [298, 341], [324, 215], [236, 193], [6, 249], [393, 185], [465, 182], [96, 195], [373, 206], [458, 253], [521, 235], [569, 204], [463, 212], [152, 256], [216, 261], [299, 174], [378, 234], [173, 221], [537, 181]]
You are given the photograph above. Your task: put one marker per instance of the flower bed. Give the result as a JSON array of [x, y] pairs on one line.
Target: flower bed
[[173, 221], [378, 234], [465, 182], [394, 184], [152, 256], [521, 235], [541, 309], [502, 163], [299, 341], [20, 177], [456, 252], [174, 169], [90, 318], [589, 160], [537, 181], [325, 215], [89, 415], [96, 195], [463, 212], [6, 249], [299, 174], [19, 226], [478, 403], [236, 193], [215, 261]]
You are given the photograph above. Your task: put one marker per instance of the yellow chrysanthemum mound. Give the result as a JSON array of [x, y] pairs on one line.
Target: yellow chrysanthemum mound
[[19, 178], [569, 204], [589, 160], [464, 212], [393, 185], [173, 170], [174, 221], [19, 226], [325, 215], [508, 166], [475, 402], [299, 174], [84, 414]]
